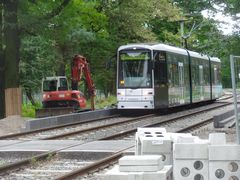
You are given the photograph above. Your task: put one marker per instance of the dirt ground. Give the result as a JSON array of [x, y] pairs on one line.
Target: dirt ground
[[12, 124]]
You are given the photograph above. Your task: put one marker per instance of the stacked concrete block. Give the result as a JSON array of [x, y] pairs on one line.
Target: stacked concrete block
[[115, 174], [167, 156], [217, 138], [141, 163], [182, 137], [190, 161], [147, 132], [140, 168], [154, 141], [224, 162]]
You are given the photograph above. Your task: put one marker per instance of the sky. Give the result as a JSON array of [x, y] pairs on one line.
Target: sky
[[226, 23]]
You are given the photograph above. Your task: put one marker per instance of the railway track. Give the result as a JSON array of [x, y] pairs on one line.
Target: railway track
[[36, 134], [96, 127], [97, 168], [43, 160]]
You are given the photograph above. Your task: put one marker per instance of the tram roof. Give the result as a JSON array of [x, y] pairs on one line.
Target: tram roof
[[168, 48], [215, 59]]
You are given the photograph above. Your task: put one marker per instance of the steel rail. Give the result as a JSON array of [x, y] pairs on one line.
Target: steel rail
[[54, 127], [113, 158], [45, 155], [195, 126], [133, 130], [96, 128], [94, 166], [42, 156]]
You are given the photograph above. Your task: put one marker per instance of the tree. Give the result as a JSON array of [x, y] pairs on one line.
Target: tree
[[12, 43], [38, 56], [2, 89]]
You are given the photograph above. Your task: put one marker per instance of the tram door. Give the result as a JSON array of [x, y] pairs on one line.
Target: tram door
[[160, 80], [181, 82], [201, 82]]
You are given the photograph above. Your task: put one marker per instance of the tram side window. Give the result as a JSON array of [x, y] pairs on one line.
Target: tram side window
[[216, 74], [160, 68], [195, 72]]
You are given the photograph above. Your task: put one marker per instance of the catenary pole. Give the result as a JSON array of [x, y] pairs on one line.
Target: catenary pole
[[235, 96]]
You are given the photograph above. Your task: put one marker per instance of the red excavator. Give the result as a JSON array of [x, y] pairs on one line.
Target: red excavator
[[57, 94]]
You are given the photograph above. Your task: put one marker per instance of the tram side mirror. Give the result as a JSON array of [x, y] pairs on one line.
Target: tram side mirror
[[111, 62]]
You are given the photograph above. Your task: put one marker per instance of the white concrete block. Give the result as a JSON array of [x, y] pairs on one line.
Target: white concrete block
[[152, 131], [155, 145], [115, 174], [190, 169], [141, 163], [224, 162], [164, 174], [224, 170], [146, 168], [190, 151], [217, 138], [167, 157], [182, 137], [224, 152], [141, 160]]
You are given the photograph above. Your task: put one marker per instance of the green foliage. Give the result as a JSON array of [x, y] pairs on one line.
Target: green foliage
[[102, 103], [28, 110], [53, 32]]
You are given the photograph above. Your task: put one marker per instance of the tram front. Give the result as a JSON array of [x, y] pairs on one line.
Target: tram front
[[134, 80]]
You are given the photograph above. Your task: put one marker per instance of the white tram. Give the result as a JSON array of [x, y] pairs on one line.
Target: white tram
[[161, 76]]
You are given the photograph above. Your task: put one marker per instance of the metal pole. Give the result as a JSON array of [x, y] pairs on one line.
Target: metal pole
[[182, 32], [235, 97]]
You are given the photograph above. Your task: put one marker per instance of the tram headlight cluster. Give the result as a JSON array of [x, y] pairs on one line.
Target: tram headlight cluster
[[147, 92], [121, 93]]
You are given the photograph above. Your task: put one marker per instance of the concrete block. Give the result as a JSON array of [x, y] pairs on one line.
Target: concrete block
[[151, 131], [190, 151], [140, 160], [224, 162], [138, 168], [115, 174], [155, 145], [217, 138], [154, 141], [229, 170], [65, 119], [190, 169], [182, 137], [165, 174], [140, 163], [167, 157], [224, 152]]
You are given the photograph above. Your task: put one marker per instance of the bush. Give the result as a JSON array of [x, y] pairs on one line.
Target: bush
[[28, 110], [101, 103]]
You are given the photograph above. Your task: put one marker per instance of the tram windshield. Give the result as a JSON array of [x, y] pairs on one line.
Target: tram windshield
[[134, 69]]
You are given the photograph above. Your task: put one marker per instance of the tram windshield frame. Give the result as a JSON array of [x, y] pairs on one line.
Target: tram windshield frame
[[134, 69]]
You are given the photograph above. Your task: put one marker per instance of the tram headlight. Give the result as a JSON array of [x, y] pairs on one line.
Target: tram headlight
[[120, 93], [147, 92]]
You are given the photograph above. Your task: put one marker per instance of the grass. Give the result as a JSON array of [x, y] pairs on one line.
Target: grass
[[28, 110], [101, 103]]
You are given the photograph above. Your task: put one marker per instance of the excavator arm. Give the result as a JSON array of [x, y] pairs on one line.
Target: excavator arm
[[79, 67]]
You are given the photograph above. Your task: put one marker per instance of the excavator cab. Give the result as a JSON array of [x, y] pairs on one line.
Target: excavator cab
[[57, 94], [58, 83]]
